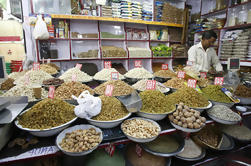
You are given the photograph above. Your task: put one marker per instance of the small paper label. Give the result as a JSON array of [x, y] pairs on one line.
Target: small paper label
[[36, 66], [27, 79], [150, 84], [218, 80], [78, 66], [164, 66], [138, 63], [203, 75], [107, 64], [115, 75], [109, 90], [43, 60], [138, 150], [191, 83], [74, 78], [51, 92], [181, 74], [110, 149], [48, 61], [189, 63]]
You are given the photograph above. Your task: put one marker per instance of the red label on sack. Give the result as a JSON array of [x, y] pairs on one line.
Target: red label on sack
[[114, 75], [74, 78], [110, 149], [109, 90], [107, 64], [51, 92], [218, 80], [191, 83], [138, 63], [150, 84], [164, 66], [203, 74], [181, 74], [36, 66], [79, 66], [138, 150], [189, 63]]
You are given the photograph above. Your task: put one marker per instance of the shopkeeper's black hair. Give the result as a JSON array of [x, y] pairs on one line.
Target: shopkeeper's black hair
[[209, 34]]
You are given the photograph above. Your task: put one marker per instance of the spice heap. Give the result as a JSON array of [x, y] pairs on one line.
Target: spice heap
[[163, 144], [112, 109], [187, 118], [53, 65], [237, 131], [165, 74], [139, 73], [47, 114], [120, 88], [48, 69], [141, 86], [140, 128], [209, 136], [16, 75], [175, 83], [34, 77], [191, 150], [202, 82], [214, 93], [224, 113], [105, 74], [189, 97], [81, 140], [53, 81], [81, 76], [155, 102], [22, 90], [67, 89], [7, 84], [243, 91]]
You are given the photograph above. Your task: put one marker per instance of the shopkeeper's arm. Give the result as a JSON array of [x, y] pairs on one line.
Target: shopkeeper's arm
[[215, 61]]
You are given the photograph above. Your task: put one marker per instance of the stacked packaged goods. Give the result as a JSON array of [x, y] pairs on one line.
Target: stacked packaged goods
[[126, 9], [147, 11], [116, 9]]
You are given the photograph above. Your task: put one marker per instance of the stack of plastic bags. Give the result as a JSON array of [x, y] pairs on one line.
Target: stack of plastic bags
[[116, 8], [147, 11], [158, 10], [106, 11], [136, 10], [126, 9]]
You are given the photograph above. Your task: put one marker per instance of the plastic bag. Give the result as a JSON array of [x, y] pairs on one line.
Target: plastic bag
[[40, 30], [89, 105]]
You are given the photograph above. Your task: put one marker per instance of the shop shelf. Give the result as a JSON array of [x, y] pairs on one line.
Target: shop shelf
[[215, 12], [84, 39], [244, 3], [238, 26], [80, 17]]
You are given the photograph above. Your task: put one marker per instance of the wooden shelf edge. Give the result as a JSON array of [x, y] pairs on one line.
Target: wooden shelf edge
[[214, 12], [80, 17], [239, 4]]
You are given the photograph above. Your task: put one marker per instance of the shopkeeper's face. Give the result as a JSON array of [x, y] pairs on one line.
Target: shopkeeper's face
[[210, 42]]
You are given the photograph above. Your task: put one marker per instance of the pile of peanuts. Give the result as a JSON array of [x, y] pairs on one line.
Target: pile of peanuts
[[139, 128]]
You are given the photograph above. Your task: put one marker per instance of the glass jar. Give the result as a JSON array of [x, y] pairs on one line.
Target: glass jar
[[232, 18], [243, 15]]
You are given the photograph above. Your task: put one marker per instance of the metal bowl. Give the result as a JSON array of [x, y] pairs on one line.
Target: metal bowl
[[201, 156], [161, 79], [74, 128], [177, 137], [45, 132], [108, 124], [201, 109], [186, 129], [142, 140], [229, 105], [244, 100], [155, 117], [222, 121]]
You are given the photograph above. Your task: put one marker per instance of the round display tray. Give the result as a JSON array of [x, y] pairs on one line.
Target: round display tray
[[142, 140], [155, 117], [201, 109], [203, 154], [45, 132], [244, 100], [232, 144], [108, 124], [180, 148], [226, 104], [222, 121], [74, 128], [186, 129]]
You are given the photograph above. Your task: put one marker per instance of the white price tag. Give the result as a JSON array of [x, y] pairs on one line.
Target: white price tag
[[107, 64], [203, 75], [114, 75], [191, 83], [164, 67], [181, 74], [189, 63], [150, 84], [109, 90], [36, 66], [78, 66], [51, 92], [138, 63], [218, 80]]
